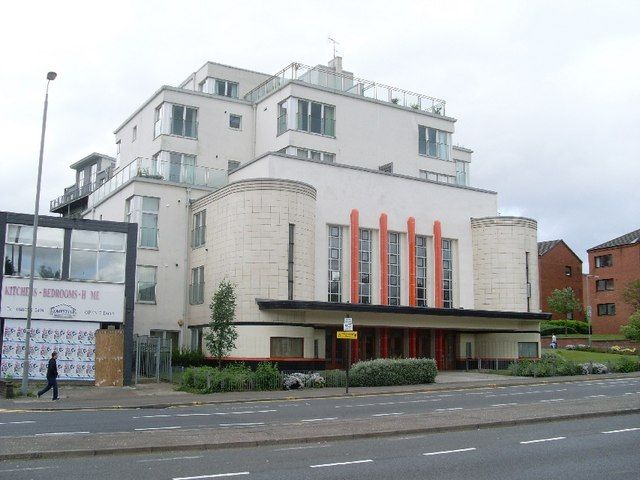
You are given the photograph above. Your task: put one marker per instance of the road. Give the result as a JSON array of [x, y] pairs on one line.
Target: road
[[336, 411], [595, 448]]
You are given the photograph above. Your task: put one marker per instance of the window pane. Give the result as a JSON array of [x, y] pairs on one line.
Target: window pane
[[111, 266], [150, 204], [83, 239], [48, 262], [422, 140], [177, 120], [234, 121], [220, 87], [316, 118], [432, 142], [233, 90], [50, 237], [83, 265], [190, 122], [20, 234], [303, 115], [112, 241]]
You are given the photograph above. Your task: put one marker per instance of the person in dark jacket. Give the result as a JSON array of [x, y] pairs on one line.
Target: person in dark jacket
[[52, 375]]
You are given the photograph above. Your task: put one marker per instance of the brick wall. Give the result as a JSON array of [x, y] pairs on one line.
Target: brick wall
[[551, 267]]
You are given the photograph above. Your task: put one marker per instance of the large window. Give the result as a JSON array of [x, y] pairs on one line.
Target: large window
[[316, 117], [447, 273], [218, 86], [292, 228], [527, 349], [421, 271], [605, 284], [17, 251], [604, 261], [462, 173], [393, 257], [606, 309], [173, 166], [199, 229], [196, 296], [434, 143], [364, 267], [146, 284], [282, 117], [335, 263], [144, 212], [281, 347], [438, 177], [97, 256], [176, 120]]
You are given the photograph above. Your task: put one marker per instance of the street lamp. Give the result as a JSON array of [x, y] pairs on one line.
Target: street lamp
[[589, 309], [25, 368]]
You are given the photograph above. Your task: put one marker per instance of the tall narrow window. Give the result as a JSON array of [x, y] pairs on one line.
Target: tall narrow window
[[290, 262], [421, 271], [394, 268], [144, 212], [199, 228], [184, 121], [196, 296], [282, 117], [462, 173], [226, 88], [146, 284], [528, 280], [335, 264], [447, 274], [364, 267], [434, 143]]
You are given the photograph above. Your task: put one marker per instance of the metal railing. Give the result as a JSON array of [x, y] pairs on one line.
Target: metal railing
[[153, 359], [71, 194], [328, 78], [160, 170]]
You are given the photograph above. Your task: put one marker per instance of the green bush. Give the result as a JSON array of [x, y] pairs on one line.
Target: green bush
[[549, 365], [626, 365], [557, 327], [388, 371], [233, 378], [187, 358], [267, 376]]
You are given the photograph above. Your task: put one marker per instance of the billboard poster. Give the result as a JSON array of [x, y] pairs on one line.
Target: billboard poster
[[61, 300], [74, 341]]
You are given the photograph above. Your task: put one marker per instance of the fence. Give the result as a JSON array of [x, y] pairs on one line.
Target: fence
[[152, 359]]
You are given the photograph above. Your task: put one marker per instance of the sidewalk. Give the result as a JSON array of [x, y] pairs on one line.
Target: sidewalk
[[163, 395]]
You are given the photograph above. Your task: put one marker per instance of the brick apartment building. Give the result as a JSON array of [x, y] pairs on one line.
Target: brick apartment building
[[559, 267], [612, 265]]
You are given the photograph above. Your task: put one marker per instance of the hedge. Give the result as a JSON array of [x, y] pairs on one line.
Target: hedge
[[233, 378], [393, 371], [187, 358], [558, 327], [552, 364]]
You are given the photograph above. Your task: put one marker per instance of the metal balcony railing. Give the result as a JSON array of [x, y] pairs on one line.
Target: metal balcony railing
[[71, 194], [328, 78]]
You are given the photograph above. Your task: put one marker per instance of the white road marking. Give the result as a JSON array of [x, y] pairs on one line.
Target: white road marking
[[552, 400], [240, 424], [60, 433], [443, 452], [543, 440], [448, 409], [504, 404], [157, 428], [302, 448], [153, 416], [340, 463], [216, 475], [25, 469], [595, 396], [168, 459], [17, 423], [194, 415], [318, 419], [623, 430], [387, 414]]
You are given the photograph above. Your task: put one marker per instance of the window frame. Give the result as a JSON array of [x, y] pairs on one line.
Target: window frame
[[394, 272], [27, 244], [98, 250], [422, 293], [607, 285], [196, 287], [324, 107], [599, 263], [365, 247], [239, 117], [335, 297], [426, 150], [199, 231], [606, 309], [284, 349], [155, 284], [450, 302]]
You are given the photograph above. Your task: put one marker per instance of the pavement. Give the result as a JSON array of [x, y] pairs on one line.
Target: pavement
[[165, 395], [209, 437]]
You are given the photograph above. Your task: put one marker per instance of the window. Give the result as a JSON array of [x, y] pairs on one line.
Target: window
[[434, 143], [438, 177], [606, 309], [226, 88], [335, 264], [93, 174], [364, 267], [17, 251], [286, 347], [81, 178], [447, 274], [196, 290], [176, 120], [606, 284], [232, 165], [118, 152], [393, 259], [172, 166], [282, 117], [97, 256], [567, 270], [134, 133], [388, 167], [199, 229], [462, 173], [604, 261], [144, 212], [312, 154], [235, 121], [316, 117], [421, 271], [146, 284], [290, 262], [528, 349]]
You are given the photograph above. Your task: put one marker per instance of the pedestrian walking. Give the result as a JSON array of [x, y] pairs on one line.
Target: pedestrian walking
[[52, 376], [554, 342]]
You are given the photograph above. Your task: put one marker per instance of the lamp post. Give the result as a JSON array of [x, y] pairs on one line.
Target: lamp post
[[25, 368], [589, 309]]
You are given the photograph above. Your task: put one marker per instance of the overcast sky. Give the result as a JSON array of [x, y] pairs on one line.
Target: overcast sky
[[545, 93]]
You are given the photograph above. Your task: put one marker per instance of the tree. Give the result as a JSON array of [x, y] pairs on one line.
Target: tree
[[631, 294], [564, 302], [221, 335], [632, 330]]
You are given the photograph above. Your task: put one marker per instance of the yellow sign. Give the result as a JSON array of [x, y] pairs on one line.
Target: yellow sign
[[348, 335]]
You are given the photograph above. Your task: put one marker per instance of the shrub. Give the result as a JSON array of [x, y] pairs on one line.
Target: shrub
[[622, 350], [558, 327], [267, 376], [298, 381], [550, 364], [234, 377], [187, 358], [632, 329], [593, 368], [626, 365], [385, 371]]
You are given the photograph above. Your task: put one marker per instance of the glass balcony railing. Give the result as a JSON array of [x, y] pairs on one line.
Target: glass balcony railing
[[160, 170], [71, 194], [328, 78]]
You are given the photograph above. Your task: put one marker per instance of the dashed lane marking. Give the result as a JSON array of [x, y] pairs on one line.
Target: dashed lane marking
[[215, 475], [623, 430], [444, 452], [554, 439], [338, 464]]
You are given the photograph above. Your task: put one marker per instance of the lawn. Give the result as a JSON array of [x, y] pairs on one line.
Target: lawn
[[584, 357], [611, 337]]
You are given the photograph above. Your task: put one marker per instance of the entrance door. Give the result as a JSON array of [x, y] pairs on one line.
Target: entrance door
[[450, 351], [424, 344], [366, 344]]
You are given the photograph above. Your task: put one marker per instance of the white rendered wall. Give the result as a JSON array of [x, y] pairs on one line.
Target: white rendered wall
[[502, 345]]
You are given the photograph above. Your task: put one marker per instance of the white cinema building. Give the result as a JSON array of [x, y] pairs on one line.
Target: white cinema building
[[319, 195]]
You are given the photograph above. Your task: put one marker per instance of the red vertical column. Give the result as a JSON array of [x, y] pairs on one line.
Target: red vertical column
[[437, 260], [384, 343], [355, 255], [384, 262], [413, 344], [411, 233]]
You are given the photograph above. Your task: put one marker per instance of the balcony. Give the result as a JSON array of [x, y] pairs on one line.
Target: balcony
[[71, 194], [341, 82], [160, 170]]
